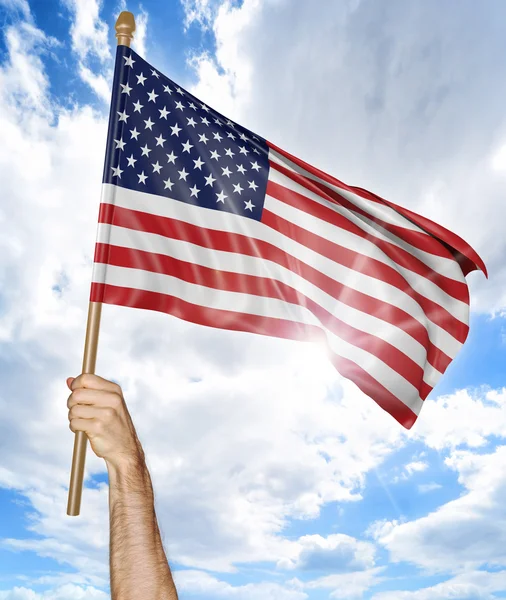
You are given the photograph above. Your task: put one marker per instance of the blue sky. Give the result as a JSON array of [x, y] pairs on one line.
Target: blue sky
[[274, 477]]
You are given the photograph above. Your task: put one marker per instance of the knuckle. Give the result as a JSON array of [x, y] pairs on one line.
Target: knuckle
[[86, 380], [109, 413], [116, 400], [117, 389]]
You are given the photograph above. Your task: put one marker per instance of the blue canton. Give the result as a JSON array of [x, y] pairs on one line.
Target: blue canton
[[164, 141]]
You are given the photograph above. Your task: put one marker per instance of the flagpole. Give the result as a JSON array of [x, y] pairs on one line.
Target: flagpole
[[125, 27]]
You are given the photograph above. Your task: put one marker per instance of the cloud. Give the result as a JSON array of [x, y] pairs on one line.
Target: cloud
[[192, 582], [465, 533], [346, 586], [466, 417], [475, 585], [336, 553], [61, 593], [424, 488]]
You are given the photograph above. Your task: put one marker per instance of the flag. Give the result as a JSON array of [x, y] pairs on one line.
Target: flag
[[205, 220]]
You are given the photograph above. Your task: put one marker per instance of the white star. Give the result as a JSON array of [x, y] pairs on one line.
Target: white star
[[255, 165], [187, 146], [168, 184], [217, 136], [145, 150], [218, 122], [253, 185], [231, 135], [249, 205], [160, 140], [152, 96], [183, 174], [226, 171], [210, 180], [230, 124], [256, 151], [163, 112], [194, 191], [215, 155], [131, 161], [138, 106], [179, 105], [180, 91], [167, 89], [141, 79], [123, 116], [116, 171], [154, 73], [191, 105], [156, 167], [120, 144], [171, 158], [229, 152], [142, 177], [129, 61], [134, 133], [175, 130], [243, 137], [237, 188], [241, 169], [205, 121], [191, 121], [203, 138], [126, 88], [204, 107], [198, 163], [242, 150], [149, 123], [221, 197]]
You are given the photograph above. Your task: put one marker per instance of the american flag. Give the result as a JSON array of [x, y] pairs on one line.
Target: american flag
[[202, 219]]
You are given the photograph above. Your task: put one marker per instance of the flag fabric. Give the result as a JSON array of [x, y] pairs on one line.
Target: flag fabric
[[202, 219]]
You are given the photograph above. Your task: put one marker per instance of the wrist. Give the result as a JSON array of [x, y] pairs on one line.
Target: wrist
[[128, 472]]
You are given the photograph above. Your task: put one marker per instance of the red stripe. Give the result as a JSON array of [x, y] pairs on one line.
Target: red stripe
[[221, 319], [261, 286], [368, 266], [463, 252], [457, 289]]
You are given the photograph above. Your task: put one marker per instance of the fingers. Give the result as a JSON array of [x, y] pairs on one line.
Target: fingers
[[94, 397], [93, 382], [88, 412]]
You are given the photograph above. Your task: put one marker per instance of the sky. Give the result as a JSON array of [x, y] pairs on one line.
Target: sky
[[274, 477]]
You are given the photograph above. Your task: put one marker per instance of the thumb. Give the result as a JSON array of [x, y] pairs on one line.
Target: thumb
[[69, 382]]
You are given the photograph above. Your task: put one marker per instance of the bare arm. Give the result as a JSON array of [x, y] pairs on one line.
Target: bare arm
[[138, 565]]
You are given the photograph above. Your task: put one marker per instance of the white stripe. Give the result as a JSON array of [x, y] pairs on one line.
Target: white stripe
[[447, 267], [248, 265], [261, 306], [228, 222], [420, 284]]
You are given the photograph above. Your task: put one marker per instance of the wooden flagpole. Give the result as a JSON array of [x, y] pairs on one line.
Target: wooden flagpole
[[125, 27]]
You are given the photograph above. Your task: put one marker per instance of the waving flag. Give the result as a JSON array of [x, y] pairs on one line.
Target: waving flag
[[203, 219]]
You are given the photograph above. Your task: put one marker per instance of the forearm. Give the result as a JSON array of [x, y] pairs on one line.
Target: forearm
[[139, 567]]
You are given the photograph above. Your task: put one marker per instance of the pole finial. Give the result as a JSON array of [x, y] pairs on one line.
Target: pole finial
[[125, 27]]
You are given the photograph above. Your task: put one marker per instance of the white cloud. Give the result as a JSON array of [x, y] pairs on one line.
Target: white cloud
[[197, 582], [346, 586], [424, 488], [475, 585], [65, 592], [463, 534], [336, 553], [466, 417]]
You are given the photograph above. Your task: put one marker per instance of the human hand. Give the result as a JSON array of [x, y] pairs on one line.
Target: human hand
[[97, 407]]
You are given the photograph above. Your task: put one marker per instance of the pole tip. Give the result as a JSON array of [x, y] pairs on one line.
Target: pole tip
[[125, 27]]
